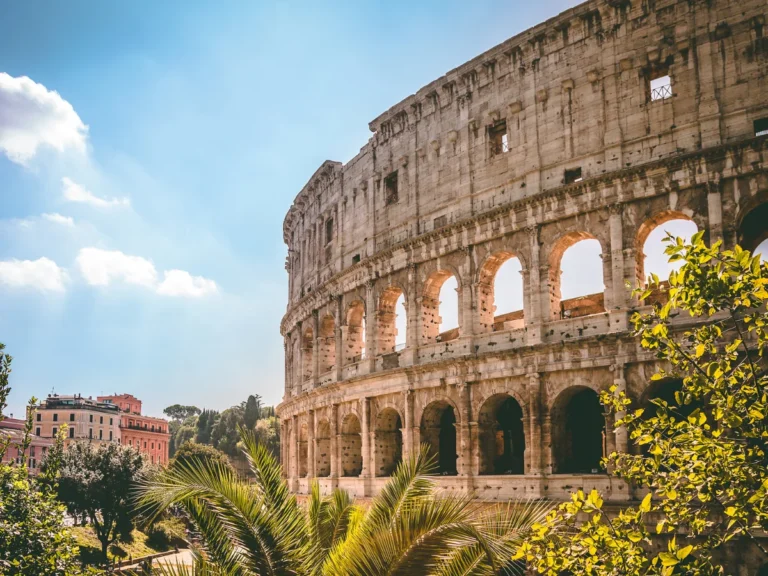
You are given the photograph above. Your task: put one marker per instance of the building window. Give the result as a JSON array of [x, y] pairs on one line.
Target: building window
[[71, 432], [110, 421], [573, 175], [661, 87], [761, 127], [71, 417], [39, 417], [355, 258], [101, 419], [329, 230], [145, 445], [390, 189], [90, 433], [497, 136], [90, 417], [153, 445], [101, 434], [37, 431], [110, 435], [54, 431], [55, 417]]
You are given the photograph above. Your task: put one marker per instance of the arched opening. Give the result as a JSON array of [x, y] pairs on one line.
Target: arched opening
[[667, 390], [351, 447], [576, 284], [440, 308], [500, 293], [762, 250], [501, 436], [303, 449], [307, 342], [438, 431], [388, 442], [354, 333], [392, 320], [578, 441], [753, 228], [327, 344], [323, 449], [649, 249]]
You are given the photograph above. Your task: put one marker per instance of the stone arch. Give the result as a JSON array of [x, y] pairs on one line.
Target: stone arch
[[351, 448], [439, 433], [327, 344], [644, 231], [307, 345], [323, 449], [430, 306], [578, 431], [573, 307], [303, 451], [752, 222], [388, 441], [666, 389], [487, 294], [501, 431], [354, 332], [386, 320]]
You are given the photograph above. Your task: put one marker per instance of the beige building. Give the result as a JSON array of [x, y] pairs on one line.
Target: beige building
[[599, 125], [86, 419]]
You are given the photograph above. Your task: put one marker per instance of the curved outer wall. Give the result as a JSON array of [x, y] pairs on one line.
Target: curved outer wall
[[432, 194]]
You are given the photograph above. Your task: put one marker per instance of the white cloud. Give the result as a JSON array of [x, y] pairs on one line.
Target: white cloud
[[59, 219], [182, 283], [32, 116], [101, 267], [74, 192], [42, 274]]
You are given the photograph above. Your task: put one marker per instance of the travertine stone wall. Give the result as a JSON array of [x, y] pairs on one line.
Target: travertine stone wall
[[550, 138]]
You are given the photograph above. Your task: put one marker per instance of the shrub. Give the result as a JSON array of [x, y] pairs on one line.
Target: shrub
[[166, 534]]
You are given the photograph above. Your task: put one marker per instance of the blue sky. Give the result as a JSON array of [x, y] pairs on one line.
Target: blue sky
[[148, 162]]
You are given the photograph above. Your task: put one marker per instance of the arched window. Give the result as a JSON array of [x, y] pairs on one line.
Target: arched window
[[576, 285], [354, 333], [392, 323], [649, 249], [440, 308], [351, 447], [327, 344], [438, 431], [307, 343], [323, 449], [500, 293], [388, 442], [753, 228], [501, 436], [303, 447], [578, 441]]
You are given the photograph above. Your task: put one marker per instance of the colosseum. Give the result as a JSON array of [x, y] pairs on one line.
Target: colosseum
[[597, 126]]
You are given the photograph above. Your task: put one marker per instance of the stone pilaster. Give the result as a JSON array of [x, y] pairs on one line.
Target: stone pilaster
[[311, 471], [465, 429], [536, 300], [370, 326], [335, 441], [315, 348], [534, 416], [408, 440], [714, 212], [365, 410]]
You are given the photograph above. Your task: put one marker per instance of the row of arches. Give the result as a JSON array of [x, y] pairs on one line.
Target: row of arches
[[579, 440]]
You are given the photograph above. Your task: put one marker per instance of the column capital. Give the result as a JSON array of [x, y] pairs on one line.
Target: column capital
[[616, 209]]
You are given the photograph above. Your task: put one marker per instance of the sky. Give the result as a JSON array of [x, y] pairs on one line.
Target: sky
[[149, 152]]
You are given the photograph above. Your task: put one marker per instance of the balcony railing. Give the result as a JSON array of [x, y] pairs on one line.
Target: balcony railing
[[661, 93]]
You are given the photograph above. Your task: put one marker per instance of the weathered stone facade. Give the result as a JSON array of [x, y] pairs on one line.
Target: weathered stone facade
[[554, 136]]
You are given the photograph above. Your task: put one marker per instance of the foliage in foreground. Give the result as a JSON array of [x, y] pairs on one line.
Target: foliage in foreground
[[410, 528], [33, 539], [702, 457]]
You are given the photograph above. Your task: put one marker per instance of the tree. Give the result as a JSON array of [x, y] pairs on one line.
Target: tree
[[33, 538], [252, 411], [192, 452], [224, 435], [259, 527], [99, 482], [267, 432], [702, 457], [205, 423], [180, 413]]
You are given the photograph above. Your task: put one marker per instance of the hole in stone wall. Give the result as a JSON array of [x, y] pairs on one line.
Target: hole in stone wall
[[573, 175], [329, 230], [390, 189], [497, 138], [659, 84], [579, 436], [761, 127]]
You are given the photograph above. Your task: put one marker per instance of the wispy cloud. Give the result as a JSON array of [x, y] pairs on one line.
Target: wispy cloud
[[32, 116], [42, 274], [74, 192], [182, 283], [59, 219], [104, 267]]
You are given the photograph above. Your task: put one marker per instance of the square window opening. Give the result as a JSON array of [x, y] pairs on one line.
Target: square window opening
[[497, 136], [328, 230], [573, 175], [355, 258], [761, 127], [661, 87], [390, 188]]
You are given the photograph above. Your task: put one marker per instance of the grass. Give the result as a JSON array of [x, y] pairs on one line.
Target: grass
[[90, 547]]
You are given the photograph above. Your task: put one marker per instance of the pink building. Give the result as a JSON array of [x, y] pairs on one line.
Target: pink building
[[147, 434], [13, 428]]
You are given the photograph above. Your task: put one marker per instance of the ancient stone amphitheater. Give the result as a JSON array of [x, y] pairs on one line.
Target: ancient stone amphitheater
[[600, 124]]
